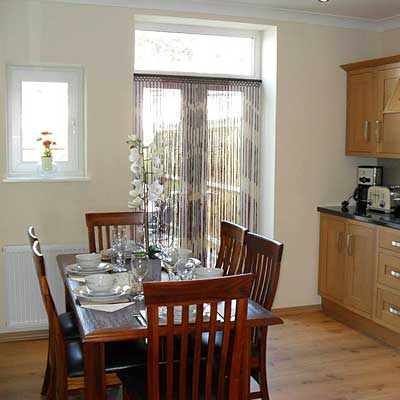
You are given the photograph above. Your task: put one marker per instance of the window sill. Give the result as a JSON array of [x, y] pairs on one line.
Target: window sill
[[31, 179]]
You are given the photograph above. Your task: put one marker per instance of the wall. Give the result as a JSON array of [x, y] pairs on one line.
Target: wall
[[310, 166], [100, 39], [391, 42]]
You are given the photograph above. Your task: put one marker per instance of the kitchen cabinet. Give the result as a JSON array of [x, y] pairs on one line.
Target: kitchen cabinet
[[332, 257], [359, 273], [360, 267], [347, 263], [373, 108], [361, 113]]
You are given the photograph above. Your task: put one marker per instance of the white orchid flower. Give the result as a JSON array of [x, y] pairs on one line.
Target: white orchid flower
[[134, 155], [155, 190], [133, 138], [135, 203], [135, 168]]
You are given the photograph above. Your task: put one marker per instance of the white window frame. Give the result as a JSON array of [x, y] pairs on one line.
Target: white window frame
[[75, 167], [205, 30]]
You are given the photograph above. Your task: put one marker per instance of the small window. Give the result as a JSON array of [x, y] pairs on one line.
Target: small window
[[45, 99], [195, 53]]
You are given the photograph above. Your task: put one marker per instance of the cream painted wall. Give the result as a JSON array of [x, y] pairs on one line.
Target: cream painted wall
[[310, 166], [100, 39], [391, 42]]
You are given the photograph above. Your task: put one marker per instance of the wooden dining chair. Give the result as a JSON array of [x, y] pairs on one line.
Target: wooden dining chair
[[189, 375], [263, 259], [66, 357], [100, 227], [231, 248], [68, 325]]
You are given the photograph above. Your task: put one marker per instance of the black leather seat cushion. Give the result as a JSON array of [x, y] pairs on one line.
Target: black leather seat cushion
[[135, 381], [118, 355], [69, 326]]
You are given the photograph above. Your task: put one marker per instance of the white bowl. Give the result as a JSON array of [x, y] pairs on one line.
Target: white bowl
[[205, 273], [88, 261], [100, 282]]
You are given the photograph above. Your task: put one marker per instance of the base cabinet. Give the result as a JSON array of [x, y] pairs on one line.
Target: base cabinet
[[360, 267], [359, 276], [347, 263]]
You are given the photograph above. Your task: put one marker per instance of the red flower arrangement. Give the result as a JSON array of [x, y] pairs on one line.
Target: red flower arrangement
[[47, 152]]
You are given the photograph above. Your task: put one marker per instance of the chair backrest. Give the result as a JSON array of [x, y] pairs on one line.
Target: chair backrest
[[56, 348], [194, 297], [231, 247], [38, 260], [103, 223], [263, 259]]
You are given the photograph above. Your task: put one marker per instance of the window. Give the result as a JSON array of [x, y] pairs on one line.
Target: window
[[205, 52], [45, 99]]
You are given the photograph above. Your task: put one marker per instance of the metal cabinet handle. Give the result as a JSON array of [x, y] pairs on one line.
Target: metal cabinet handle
[[349, 244], [378, 131], [394, 311], [366, 130], [395, 244], [395, 274]]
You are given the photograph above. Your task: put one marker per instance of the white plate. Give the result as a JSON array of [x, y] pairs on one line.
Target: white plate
[[83, 293], [76, 270], [116, 290]]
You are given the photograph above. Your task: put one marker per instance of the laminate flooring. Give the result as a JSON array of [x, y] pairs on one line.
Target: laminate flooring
[[310, 357]]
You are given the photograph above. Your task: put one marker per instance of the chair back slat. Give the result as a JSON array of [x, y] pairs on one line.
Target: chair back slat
[[193, 371], [101, 226], [231, 248], [263, 259]]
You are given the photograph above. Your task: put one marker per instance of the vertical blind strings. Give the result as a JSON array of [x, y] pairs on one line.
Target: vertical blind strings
[[208, 134]]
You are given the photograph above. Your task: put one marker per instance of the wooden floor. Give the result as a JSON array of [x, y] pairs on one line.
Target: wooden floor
[[311, 357]]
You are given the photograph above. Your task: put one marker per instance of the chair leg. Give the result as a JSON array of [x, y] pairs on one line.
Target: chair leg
[[51, 391], [125, 394], [46, 379]]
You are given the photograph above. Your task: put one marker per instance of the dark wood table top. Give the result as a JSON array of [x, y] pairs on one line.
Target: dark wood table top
[[102, 326]]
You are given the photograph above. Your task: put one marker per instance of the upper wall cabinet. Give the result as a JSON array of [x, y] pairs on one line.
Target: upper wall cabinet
[[373, 108]]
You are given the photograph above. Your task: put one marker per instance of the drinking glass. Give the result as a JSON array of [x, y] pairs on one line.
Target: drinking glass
[[169, 257], [139, 268], [119, 246], [184, 268]]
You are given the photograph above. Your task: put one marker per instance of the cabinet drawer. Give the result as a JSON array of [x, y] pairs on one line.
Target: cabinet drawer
[[389, 271], [388, 309], [389, 239]]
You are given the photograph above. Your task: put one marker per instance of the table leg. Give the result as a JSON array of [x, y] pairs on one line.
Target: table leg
[[95, 379]]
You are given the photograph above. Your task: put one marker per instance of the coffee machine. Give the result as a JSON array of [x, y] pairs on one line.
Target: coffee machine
[[367, 176]]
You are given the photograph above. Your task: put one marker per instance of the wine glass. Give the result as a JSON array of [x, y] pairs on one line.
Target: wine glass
[[139, 268], [169, 256], [184, 269], [119, 246]]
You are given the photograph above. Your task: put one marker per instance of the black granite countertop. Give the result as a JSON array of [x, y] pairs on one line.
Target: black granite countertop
[[388, 220]]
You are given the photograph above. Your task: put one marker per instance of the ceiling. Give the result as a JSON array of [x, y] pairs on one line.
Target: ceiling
[[367, 9]]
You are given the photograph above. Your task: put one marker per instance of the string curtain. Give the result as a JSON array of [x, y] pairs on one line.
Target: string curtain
[[207, 132]]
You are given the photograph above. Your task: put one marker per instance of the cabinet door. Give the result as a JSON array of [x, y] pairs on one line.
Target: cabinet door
[[387, 126], [332, 258], [360, 266], [361, 113]]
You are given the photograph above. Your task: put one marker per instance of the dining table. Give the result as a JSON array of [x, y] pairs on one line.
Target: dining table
[[98, 327]]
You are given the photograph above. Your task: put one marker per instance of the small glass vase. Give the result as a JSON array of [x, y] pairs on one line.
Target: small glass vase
[[47, 164]]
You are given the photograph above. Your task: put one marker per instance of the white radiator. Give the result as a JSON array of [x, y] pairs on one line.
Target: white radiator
[[24, 305]]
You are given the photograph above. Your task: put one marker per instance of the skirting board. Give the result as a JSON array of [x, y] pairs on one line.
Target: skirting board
[[23, 335], [297, 310]]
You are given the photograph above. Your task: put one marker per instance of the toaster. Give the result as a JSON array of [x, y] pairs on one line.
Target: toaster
[[383, 198]]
